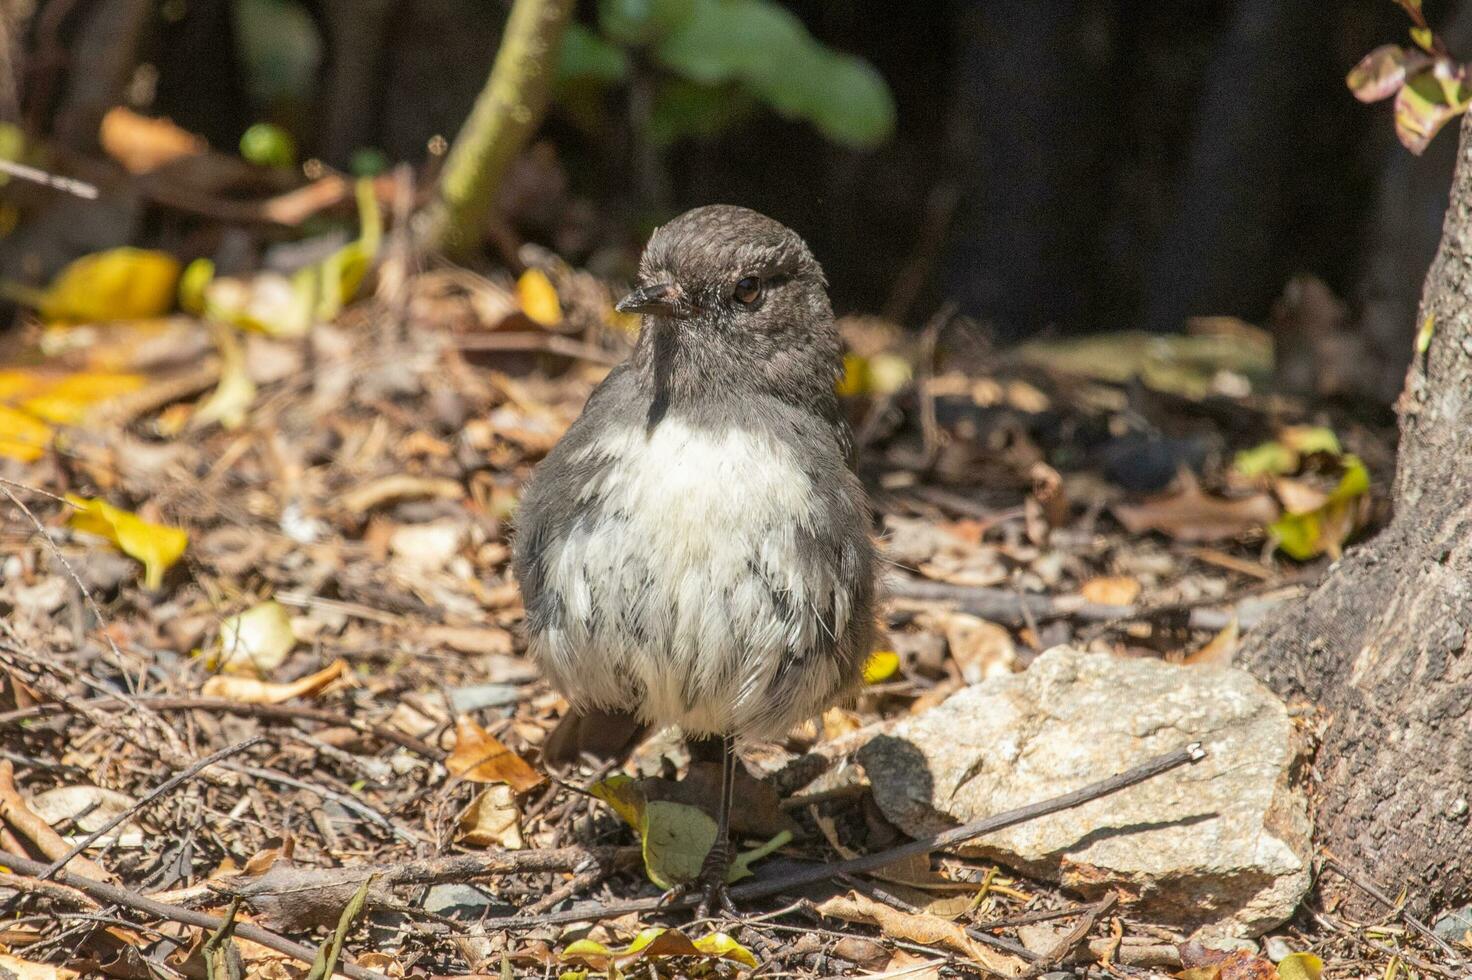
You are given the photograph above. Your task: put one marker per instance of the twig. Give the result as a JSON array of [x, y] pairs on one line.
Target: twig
[[1369, 888], [811, 874], [341, 799], [1013, 608], [275, 712], [116, 895], [78, 188], [532, 342], [166, 786], [1076, 935]]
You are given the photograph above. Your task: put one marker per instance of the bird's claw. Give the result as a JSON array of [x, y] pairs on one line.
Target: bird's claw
[[715, 898]]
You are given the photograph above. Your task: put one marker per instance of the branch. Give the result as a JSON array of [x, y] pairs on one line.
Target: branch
[[813, 873], [507, 112], [115, 895]]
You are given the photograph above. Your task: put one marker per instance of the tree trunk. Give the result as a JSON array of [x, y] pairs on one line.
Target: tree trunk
[[1383, 644]]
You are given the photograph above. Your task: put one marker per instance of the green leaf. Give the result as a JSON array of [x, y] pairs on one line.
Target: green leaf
[[1423, 335], [587, 57], [1326, 527], [1424, 39], [766, 49], [1268, 459], [684, 109], [676, 837], [330, 951], [641, 22], [1422, 107]]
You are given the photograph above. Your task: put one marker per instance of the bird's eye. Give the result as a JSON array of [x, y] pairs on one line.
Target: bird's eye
[[748, 291]]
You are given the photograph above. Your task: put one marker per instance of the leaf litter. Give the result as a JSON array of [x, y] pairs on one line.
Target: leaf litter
[[295, 522]]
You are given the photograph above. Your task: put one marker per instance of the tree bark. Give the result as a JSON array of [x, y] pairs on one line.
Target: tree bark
[[1383, 644]]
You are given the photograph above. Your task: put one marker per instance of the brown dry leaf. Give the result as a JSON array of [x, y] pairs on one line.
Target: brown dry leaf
[[143, 144], [15, 968], [17, 815], [482, 640], [1203, 963], [479, 757], [1111, 590], [927, 930], [1191, 515], [979, 647], [400, 486], [248, 690], [1219, 650], [1299, 496], [904, 965], [1047, 506], [491, 820]]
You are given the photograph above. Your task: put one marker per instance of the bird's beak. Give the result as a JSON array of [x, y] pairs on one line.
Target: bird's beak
[[659, 297]]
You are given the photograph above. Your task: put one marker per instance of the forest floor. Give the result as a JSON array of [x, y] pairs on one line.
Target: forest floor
[[332, 620]]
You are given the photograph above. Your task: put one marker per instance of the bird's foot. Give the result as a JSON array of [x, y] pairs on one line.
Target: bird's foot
[[711, 884]]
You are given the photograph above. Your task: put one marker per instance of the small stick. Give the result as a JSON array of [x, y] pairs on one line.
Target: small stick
[[1076, 935], [275, 712], [78, 188], [812, 874], [165, 787], [1370, 889]]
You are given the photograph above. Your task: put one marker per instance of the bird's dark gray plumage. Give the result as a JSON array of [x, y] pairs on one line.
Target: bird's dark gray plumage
[[695, 550]]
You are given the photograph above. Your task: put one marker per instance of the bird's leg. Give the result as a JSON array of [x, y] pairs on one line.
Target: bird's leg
[[712, 880]]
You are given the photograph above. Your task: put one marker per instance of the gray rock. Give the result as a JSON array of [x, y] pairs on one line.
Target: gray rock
[[1454, 925], [1221, 847]]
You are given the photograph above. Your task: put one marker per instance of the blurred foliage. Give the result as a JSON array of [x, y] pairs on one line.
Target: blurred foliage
[[1430, 87], [713, 58]]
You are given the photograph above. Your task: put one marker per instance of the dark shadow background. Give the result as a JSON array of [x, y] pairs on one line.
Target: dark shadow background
[[1058, 165]]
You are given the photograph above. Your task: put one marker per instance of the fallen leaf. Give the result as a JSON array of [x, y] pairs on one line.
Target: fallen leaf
[[19, 969], [479, 757], [1188, 514], [230, 402], [22, 437], [675, 836], [927, 930], [1300, 966], [157, 546], [249, 690], [118, 284], [657, 942], [143, 144], [979, 647], [1325, 527], [491, 820], [881, 666], [400, 486], [1219, 650], [254, 643], [1111, 590], [538, 298]]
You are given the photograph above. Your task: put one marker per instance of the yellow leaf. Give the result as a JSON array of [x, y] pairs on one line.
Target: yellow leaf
[[157, 546], [66, 401], [230, 402], [23, 437], [881, 666], [656, 942], [255, 642], [538, 298], [621, 792], [249, 690], [1300, 966], [118, 284]]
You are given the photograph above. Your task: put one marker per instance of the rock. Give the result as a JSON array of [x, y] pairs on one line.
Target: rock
[[1221, 847], [1455, 926]]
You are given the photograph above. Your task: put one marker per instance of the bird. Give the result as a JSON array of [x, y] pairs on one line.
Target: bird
[[695, 550]]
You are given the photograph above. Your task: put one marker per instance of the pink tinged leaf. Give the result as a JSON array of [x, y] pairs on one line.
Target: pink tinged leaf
[[1381, 72]]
